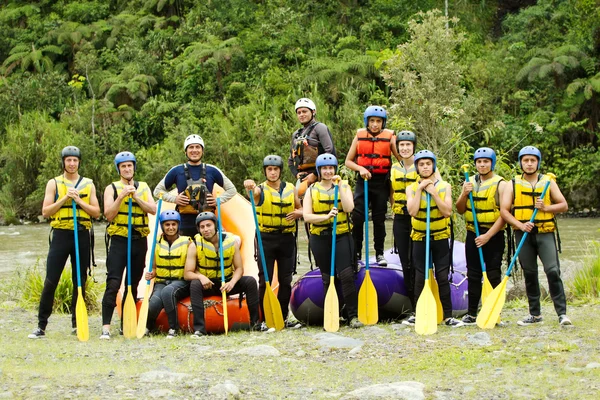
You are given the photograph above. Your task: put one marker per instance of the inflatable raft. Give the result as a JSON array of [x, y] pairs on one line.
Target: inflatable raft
[[308, 295], [237, 218]]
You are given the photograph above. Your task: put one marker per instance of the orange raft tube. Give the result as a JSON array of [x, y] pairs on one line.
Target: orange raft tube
[[237, 218]]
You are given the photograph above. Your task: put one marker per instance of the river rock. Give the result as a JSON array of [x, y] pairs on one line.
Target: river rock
[[161, 394], [593, 365], [333, 341], [408, 390], [355, 351], [164, 376], [6, 395], [261, 350], [480, 339], [225, 390]]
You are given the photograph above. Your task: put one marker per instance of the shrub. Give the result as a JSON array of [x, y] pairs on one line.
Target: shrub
[[585, 285]]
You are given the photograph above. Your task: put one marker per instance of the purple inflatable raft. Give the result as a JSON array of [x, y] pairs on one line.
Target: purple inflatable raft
[[308, 296]]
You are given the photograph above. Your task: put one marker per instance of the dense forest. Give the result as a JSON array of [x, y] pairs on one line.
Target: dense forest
[[141, 75]]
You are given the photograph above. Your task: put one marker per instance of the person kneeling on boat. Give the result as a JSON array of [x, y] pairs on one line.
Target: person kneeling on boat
[[319, 213], [169, 285], [202, 268], [277, 210]]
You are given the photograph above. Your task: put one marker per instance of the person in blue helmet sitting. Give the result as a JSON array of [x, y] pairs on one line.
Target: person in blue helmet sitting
[[319, 212], [487, 189], [116, 211], [169, 266]]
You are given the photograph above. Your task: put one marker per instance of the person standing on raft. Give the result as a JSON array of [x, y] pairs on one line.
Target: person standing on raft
[[116, 211], [487, 189], [277, 210], [440, 193], [308, 142], [319, 212], [517, 205], [202, 268], [59, 195], [370, 155], [169, 261], [194, 181]]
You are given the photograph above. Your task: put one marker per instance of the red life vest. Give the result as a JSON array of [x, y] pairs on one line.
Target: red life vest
[[374, 152]]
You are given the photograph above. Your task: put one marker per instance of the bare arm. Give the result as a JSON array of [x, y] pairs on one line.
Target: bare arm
[[394, 148], [346, 197], [413, 200], [92, 209], [49, 206], [148, 206], [350, 163], [559, 203], [461, 202]]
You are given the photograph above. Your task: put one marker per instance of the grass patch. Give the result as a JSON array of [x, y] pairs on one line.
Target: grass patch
[[585, 284]]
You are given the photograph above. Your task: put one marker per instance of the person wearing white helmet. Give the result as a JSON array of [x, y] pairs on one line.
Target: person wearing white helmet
[[116, 211], [194, 181], [518, 203], [57, 206], [308, 142]]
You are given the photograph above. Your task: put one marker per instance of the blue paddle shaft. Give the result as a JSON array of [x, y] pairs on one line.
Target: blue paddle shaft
[[427, 232], [222, 261], [154, 238], [366, 190], [334, 233], [514, 259], [475, 224], [129, 243], [258, 238], [76, 239]]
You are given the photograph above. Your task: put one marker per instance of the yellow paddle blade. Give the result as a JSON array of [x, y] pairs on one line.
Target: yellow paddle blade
[[368, 311], [486, 289], [225, 319], [143, 317], [491, 309], [273, 314], [436, 295], [426, 313], [129, 316], [331, 319], [81, 318]]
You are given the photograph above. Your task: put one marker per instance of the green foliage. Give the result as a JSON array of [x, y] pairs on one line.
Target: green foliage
[[585, 285]]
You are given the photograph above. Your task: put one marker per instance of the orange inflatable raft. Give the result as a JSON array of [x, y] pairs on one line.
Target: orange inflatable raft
[[237, 218]]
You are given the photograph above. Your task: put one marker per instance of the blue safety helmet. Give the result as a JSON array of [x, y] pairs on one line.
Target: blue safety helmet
[[169, 215], [324, 160], [530, 151], [207, 215], [423, 154], [70, 151], [375, 111], [485, 152], [123, 157]]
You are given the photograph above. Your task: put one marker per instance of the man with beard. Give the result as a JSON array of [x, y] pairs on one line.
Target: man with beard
[[516, 207], [194, 181], [277, 209]]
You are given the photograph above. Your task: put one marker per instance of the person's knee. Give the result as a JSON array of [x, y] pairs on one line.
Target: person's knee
[[347, 274]]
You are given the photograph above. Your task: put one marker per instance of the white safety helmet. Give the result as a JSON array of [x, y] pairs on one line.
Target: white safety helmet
[[306, 103], [193, 139]]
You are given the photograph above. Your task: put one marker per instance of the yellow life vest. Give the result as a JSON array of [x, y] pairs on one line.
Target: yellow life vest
[[487, 202], [271, 213], [401, 178], [170, 258], [139, 219], [439, 226], [524, 203], [322, 203], [209, 261], [63, 219]]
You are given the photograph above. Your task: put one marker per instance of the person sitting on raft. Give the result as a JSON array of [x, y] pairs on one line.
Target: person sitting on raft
[[169, 285], [319, 212], [202, 268]]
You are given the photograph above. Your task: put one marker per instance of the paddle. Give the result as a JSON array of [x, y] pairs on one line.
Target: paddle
[[222, 263], [331, 319], [436, 292], [368, 312], [487, 286], [143, 317], [426, 313], [81, 315], [490, 311], [129, 310], [271, 306]]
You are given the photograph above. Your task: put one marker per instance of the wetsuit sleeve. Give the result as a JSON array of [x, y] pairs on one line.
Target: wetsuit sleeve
[[291, 165], [164, 185], [325, 138], [224, 182]]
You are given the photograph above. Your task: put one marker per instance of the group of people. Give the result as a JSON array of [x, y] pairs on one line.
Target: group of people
[[187, 256]]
